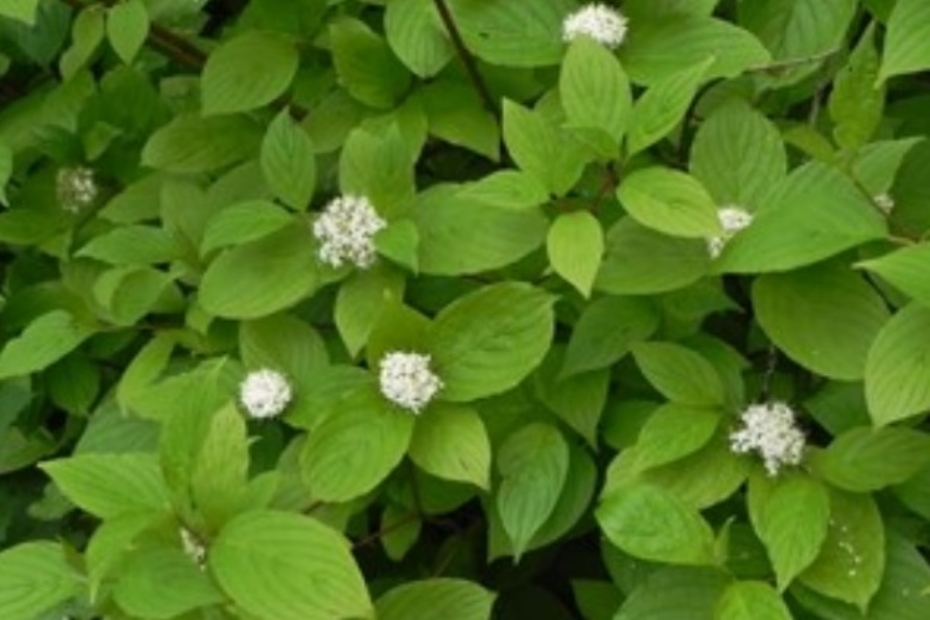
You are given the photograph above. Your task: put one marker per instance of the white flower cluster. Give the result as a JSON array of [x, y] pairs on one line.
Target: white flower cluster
[[603, 23], [885, 202], [732, 219], [770, 430], [406, 380], [346, 231], [264, 393], [76, 188], [193, 547]]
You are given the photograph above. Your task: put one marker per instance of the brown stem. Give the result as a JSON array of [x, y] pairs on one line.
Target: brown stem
[[471, 67], [387, 529]]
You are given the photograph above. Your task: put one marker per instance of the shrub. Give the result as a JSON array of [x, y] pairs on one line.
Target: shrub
[[463, 309]]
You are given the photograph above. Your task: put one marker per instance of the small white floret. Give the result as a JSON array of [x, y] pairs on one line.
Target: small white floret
[[76, 188], [193, 547], [885, 203], [407, 380], [346, 231], [732, 219], [603, 23], [770, 430], [264, 393]]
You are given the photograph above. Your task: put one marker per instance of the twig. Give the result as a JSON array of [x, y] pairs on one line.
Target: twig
[[471, 67], [387, 529], [790, 63]]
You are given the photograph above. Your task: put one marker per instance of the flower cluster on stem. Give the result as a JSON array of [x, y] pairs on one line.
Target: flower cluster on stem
[[407, 380], [603, 23], [732, 219], [770, 430], [346, 229], [264, 393], [76, 188]]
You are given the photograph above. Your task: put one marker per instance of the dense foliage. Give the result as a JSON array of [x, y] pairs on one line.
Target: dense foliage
[[464, 309]]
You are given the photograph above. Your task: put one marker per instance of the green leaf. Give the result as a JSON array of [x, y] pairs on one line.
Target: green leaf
[[21, 10], [751, 600], [378, 166], [288, 162], [247, 72], [533, 464], [790, 514], [662, 45], [868, 459], [605, 330], [669, 202], [36, 578], [282, 342], [289, 567], [365, 65], [906, 270], [190, 144], [6, 170], [675, 593], [519, 33], [506, 189], [277, 270], [597, 600], [640, 261], [672, 432], [575, 245], [436, 599], [241, 223], [162, 584], [855, 103], [907, 42], [456, 114], [578, 400], [220, 473], [663, 106], [594, 90], [87, 32], [824, 317], [355, 447], [360, 301], [451, 442], [897, 373], [416, 34], [652, 524], [486, 342], [678, 373], [814, 213], [46, 340], [132, 245], [852, 561], [542, 149], [127, 28], [738, 155], [109, 485]]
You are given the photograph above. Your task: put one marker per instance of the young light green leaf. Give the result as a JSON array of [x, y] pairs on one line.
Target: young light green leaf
[[824, 317], [906, 269], [751, 600], [365, 65], [132, 245], [675, 593], [436, 599], [672, 432], [87, 33], [575, 245], [790, 515], [247, 72], [416, 34], [678, 373], [163, 584], [289, 567], [897, 377], [108, 485], [355, 447], [488, 341], [852, 561], [458, 116], [127, 28], [594, 90], [378, 166], [242, 223], [36, 578], [868, 459], [279, 270], [907, 42], [190, 144], [288, 162], [738, 155], [652, 524], [663, 106], [21, 10], [669, 202], [360, 301], [451, 442], [46, 340], [856, 103], [533, 464]]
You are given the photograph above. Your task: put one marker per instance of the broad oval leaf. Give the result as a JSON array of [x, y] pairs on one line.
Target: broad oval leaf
[[162, 584], [575, 245], [127, 28], [44, 341], [451, 442], [652, 524], [594, 90], [669, 202], [907, 44], [190, 144], [488, 341], [416, 34], [824, 317], [36, 577], [247, 72], [869, 459], [906, 269], [663, 106], [289, 162], [751, 600], [897, 376], [678, 373], [533, 463], [289, 567], [436, 599]]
